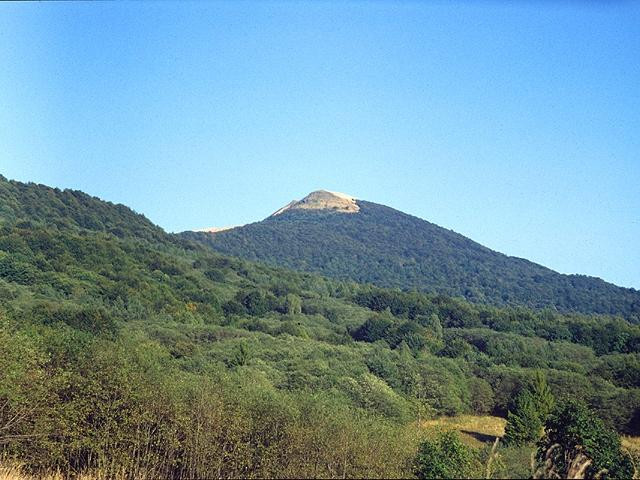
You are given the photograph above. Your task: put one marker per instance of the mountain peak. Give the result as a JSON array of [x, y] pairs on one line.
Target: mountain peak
[[323, 200]]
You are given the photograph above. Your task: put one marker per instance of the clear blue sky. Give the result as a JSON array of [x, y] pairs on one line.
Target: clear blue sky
[[514, 123]]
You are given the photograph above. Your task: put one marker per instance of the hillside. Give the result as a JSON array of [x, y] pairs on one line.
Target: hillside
[[57, 209], [126, 349], [383, 246]]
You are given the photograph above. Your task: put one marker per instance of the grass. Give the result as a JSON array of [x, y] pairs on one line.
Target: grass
[[11, 472], [475, 431], [480, 432], [14, 471], [631, 443]]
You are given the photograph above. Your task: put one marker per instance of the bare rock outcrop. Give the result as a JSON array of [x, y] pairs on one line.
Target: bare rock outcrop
[[323, 200]]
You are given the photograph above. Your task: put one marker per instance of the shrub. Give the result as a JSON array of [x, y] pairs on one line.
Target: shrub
[[444, 457]]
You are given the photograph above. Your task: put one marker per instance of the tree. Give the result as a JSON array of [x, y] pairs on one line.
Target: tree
[[578, 445], [524, 424], [456, 347], [256, 302], [482, 399], [293, 304], [240, 356], [432, 324], [444, 457], [375, 328], [542, 395], [531, 409]]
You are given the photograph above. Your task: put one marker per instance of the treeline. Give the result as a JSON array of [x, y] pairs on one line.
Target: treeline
[[602, 334]]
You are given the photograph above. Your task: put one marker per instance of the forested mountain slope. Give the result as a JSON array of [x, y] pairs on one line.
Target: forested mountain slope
[[386, 247], [64, 209], [135, 351]]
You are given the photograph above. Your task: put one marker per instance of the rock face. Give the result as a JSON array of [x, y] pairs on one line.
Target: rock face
[[323, 200]]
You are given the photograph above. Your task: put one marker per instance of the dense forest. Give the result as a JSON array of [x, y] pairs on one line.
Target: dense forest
[[128, 351], [389, 248]]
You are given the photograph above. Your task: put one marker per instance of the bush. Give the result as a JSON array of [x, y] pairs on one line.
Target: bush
[[444, 457]]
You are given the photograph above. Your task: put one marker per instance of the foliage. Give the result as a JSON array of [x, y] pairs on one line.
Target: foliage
[[524, 423], [482, 398], [126, 349], [578, 445], [531, 409], [444, 457], [542, 396], [389, 248]]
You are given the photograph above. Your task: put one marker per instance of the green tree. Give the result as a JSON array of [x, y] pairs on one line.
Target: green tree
[[578, 445], [444, 457], [256, 301], [542, 395], [482, 398], [375, 328], [524, 424], [240, 356], [293, 304], [531, 409]]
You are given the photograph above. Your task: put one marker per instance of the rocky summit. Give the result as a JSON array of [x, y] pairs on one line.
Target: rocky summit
[[323, 200]]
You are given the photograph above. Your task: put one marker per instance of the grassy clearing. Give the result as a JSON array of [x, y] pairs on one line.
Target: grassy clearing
[[476, 431], [480, 432]]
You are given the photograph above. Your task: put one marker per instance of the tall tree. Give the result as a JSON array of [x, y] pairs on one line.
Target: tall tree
[[531, 409]]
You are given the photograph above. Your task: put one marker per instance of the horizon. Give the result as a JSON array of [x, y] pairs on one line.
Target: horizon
[[516, 126]]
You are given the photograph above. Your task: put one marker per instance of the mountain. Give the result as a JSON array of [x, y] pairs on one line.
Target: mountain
[[116, 337], [337, 235], [34, 204]]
